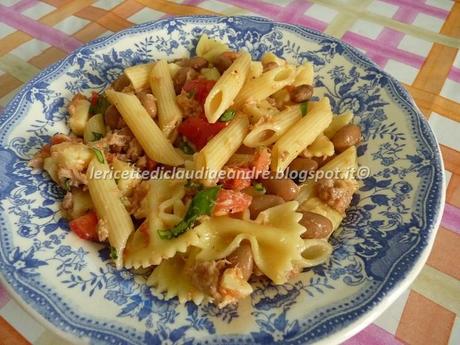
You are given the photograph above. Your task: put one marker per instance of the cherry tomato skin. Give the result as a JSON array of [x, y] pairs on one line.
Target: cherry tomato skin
[[199, 131]]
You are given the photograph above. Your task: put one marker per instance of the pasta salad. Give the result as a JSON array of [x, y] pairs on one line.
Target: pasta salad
[[207, 171]]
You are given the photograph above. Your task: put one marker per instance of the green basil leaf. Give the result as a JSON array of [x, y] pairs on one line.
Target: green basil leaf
[[186, 147], [303, 108], [228, 115], [113, 253], [100, 107], [202, 204], [99, 155]]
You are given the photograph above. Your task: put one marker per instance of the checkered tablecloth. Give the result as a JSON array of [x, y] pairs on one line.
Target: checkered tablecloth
[[417, 41]]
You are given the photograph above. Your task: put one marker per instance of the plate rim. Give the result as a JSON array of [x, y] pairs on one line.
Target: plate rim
[[357, 324]]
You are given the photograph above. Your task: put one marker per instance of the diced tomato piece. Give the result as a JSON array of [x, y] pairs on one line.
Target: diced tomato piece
[[241, 181], [94, 98], [59, 138], [199, 131], [151, 164], [261, 161], [86, 226], [229, 201], [200, 88]]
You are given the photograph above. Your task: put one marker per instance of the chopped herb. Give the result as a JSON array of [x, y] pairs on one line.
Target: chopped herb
[[67, 184], [259, 187], [186, 147], [97, 136], [99, 155], [113, 253], [228, 115], [303, 108], [99, 104], [191, 94], [202, 204]]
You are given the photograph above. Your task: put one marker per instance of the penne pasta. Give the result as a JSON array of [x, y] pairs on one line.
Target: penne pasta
[[315, 252], [344, 163], [210, 49], [219, 149], [270, 57], [255, 70], [173, 68], [300, 135], [144, 128], [113, 216], [338, 122], [304, 75], [223, 93], [138, 75], [169, 114], [129, 176], [270, 131], [265, 85]]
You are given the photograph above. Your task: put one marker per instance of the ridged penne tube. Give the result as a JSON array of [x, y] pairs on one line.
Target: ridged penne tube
[[301, 134], [226, 88], [210, 48], [111, 211], [138, 75], [270, 57], [169, 113], [173, 68], [220, 148], [315, 252], [304, 75], [345, 162], [338, 122], [255, 70], [144, 128], [270, 131], [267, 84]]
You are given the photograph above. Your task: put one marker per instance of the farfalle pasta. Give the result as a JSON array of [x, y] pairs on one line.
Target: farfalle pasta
[[208, 170], [165, 209]]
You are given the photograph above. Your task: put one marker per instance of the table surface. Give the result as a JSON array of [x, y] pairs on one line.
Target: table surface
[[415, 40]]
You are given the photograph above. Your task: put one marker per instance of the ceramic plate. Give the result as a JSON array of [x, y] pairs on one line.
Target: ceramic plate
[[71, 285]]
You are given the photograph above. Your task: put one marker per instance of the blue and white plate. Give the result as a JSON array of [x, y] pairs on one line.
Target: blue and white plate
[[72, 287]]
